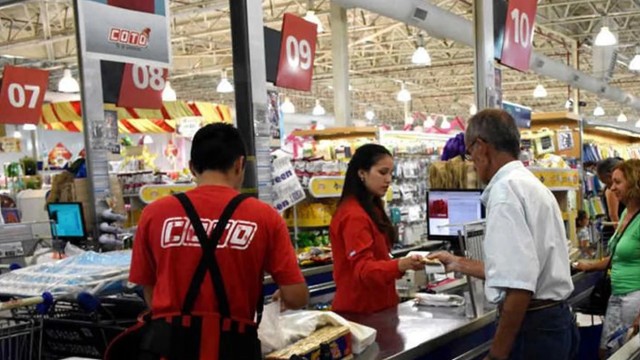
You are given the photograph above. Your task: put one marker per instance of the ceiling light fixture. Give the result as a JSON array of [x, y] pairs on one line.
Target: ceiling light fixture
[[421, 55], [445, 123], [605, 37], [429, 123], [638, 124], [634, 65], [473, 109], [29, 127], [403, 95], [68, 84], [370, 115], [224, 86], [311, 17], [622, 117], [287, 106], [318, 110], [598, 111], [17, 134], [147, 140], [540, 91], [168, 94]]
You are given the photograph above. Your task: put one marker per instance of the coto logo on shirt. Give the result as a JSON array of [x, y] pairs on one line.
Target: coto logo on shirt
[[178, 231]]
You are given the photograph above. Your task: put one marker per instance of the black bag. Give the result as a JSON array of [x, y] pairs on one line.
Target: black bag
[[599, 298], [187, 336]]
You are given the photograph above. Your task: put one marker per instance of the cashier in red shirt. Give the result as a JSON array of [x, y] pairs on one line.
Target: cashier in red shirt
[[361, 237], [257, 240]]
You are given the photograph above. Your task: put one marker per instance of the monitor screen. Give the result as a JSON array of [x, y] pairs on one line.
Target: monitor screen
[[68, 220], [452, 207]]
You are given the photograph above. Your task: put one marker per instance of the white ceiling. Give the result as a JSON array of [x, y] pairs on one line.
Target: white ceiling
[[380, 53]]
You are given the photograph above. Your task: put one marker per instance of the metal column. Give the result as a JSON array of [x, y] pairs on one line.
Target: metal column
[[92, 116], [484, 52], [575, 59], [340, 55], [250, 80]]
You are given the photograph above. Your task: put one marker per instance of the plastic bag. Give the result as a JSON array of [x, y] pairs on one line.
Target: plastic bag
[[270, 333], [278, 330]]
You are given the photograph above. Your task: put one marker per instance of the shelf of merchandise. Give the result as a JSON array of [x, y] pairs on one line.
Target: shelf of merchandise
[[558, 121], [565, 186], [413, 152], [623, 142], [338, 133]]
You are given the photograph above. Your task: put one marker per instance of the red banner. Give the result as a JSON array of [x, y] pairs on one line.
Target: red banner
[[297, 53], [138, 5], [142, 86], [22, 95], [518, 34]]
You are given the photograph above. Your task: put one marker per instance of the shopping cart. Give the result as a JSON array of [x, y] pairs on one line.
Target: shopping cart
[[20, 338]]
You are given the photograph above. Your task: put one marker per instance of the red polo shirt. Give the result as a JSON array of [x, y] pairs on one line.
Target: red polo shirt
[[166, 252], [363, 270]]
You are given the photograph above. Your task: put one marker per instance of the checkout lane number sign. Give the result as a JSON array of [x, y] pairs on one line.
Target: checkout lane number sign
[[518, 35], [142, 86], [297, 53], [22, 95]]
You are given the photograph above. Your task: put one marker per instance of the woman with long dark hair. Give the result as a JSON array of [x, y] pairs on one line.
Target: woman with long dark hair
[[362, 236]]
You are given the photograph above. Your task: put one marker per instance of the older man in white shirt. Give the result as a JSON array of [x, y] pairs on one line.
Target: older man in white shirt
[[526, 263]]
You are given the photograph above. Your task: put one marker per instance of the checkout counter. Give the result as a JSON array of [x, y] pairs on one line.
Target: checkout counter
[[421, 332]]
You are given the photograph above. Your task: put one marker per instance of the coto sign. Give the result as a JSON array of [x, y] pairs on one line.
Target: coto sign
[[129, 37], [518, 35], [297, 53]]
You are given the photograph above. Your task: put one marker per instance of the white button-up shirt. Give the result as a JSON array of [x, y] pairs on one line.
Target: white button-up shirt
[[525, 241]]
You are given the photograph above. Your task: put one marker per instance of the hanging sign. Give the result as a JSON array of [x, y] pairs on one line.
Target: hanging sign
[[287, 190], [326, 186], [189, 125], [521, 114], [22, 95], [518, 34], [565, 139], [142, 86], [297, 53], [10, 145], [117, 33]]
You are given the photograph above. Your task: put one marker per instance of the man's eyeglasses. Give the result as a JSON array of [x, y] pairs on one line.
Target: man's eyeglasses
[[467, 154]]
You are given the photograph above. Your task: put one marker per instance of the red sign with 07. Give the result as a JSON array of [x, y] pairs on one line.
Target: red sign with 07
[[22, 95]]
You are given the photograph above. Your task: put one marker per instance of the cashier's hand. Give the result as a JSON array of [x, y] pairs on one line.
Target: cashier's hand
[[413, 262], [446, 258]]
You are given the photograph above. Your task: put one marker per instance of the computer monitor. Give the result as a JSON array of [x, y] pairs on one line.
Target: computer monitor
[[452, 207], [67, 221]]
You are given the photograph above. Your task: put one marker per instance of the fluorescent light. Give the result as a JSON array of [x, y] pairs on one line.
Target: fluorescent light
[[421, 57], [445, 123], [635, 63], [403, 95], [540, 92], [68, 84], [168, 94], [29, 127], [17, 134], [313, 18], [622, 117], [605, 37], [473, 109], [370, 115], [598, 111], [288, 107], [318, 110]]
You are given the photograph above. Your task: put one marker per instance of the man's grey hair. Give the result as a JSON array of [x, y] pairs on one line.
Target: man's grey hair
[[495, 127]]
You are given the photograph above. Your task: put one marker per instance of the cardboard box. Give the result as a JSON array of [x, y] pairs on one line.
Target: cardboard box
[[338, 338]]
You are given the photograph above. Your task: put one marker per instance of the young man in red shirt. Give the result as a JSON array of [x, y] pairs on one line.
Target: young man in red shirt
[[256, 240]]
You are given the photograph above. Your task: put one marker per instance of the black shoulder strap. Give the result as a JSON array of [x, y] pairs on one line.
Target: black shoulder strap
[[208, 260]]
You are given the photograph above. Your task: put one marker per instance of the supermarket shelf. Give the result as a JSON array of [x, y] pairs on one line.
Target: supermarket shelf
[[343, 132]]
